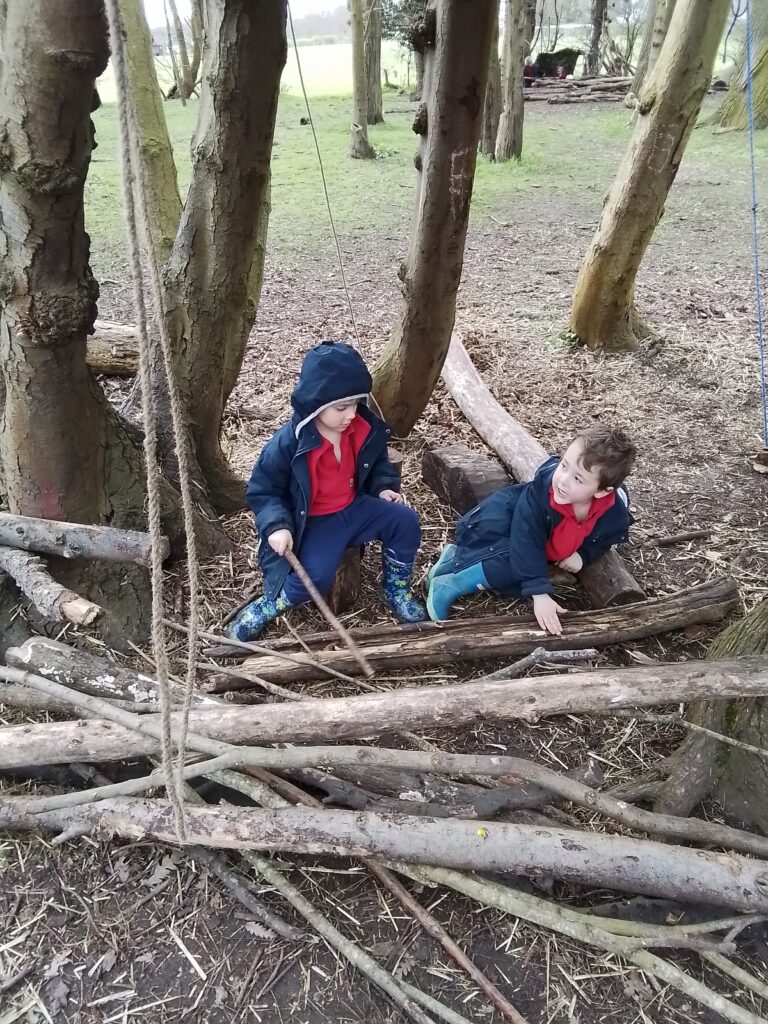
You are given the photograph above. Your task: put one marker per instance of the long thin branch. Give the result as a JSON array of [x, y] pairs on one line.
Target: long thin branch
[[542, 656]]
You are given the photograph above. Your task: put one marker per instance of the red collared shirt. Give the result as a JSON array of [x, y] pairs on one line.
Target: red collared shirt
[[333, 484], [569, 534]]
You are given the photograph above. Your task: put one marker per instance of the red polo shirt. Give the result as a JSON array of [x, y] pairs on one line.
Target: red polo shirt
[[332, 482], [570, 534]]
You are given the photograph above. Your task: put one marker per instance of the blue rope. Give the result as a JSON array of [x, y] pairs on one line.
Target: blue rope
[[755, 228]]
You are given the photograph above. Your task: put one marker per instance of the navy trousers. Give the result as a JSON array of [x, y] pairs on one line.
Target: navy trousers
[[326, 538]]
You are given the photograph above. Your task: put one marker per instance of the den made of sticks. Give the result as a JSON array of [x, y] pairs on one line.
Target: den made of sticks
[[342, 680]]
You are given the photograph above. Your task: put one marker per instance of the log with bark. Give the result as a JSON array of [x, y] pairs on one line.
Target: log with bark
[[593, 859], [410, 708], [76, 540], [500, 636], [51, 599], [607, 581], [113, 349]]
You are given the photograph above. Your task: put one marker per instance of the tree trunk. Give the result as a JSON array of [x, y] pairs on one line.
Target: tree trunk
[[657, 24], [734, 112], [530, 26], [359, 146], [594, 859], [186, 82], [418, 61], [449, 124], [152, 139], [509, 142], [372, 46], [603, 316], [198, 38], [492, 107], [408, 708], [599, 17], [212, 279]]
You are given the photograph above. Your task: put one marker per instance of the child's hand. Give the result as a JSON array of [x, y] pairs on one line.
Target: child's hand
[[573, 563], [545, 608], [280, 541], [393, 496]]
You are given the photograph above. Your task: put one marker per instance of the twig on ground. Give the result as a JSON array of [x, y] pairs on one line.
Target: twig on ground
[[541, 656], [676, 538], [675, 719]]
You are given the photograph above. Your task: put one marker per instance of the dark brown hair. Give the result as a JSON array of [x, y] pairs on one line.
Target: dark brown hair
[[610, 451]]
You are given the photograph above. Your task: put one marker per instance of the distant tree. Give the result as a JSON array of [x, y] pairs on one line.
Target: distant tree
[[359, 146], [372, 37], [399, 21]]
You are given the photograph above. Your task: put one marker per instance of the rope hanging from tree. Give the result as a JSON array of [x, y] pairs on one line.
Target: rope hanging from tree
[[755, 227], [134, 194]]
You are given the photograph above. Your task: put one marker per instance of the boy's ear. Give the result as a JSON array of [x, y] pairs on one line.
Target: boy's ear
[[604, 491]]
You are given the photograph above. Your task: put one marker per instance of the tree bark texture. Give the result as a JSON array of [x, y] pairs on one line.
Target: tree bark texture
[[607, 581], [151, 133], [603, 314], [734, 112], [410, 708], [594, 859], [73, 540], [213, 275], [509, 142], [641, 67], [113, 349], [372, 48], [359, 146], [598, 20], [449, 125], [657, 25], [51, 599], [492, 106]]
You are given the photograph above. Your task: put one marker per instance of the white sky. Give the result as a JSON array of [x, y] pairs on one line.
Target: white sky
[[299, 8]]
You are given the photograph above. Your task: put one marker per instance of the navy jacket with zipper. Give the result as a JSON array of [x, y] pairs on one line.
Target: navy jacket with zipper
[[516, 523], [279, 489]]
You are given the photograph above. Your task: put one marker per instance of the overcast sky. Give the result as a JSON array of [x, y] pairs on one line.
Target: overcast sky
[[156, 17]]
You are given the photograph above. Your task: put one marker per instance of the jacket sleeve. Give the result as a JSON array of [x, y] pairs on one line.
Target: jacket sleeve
[[598, 542], [527, 546], [268, 492], [382, 477]]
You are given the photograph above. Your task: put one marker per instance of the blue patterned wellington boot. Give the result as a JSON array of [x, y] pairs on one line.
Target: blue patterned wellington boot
[[444, 562], [253, 618], [396, 590], [450, 586]]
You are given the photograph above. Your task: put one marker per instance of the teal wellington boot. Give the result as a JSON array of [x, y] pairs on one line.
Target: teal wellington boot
[[397, 592], [448, 587], [444, 562], [253, 618]]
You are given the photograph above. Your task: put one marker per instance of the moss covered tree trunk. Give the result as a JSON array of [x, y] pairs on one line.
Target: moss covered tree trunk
[[492, 107], [509, 140], [372, 48], [733, 112], [458, 40], [603, 314]]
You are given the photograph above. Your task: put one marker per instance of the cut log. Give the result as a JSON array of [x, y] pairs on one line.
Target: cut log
[[88, 673], [607, 581], [113, 349], [593, 859], [503, 636], [409, 708], [462, 477], [74, 540], [49, 597]]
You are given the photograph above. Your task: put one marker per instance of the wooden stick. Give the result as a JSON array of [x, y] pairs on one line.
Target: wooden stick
[[330, 618], [77, 540], [51, 599], [676, 538], [541, 656]]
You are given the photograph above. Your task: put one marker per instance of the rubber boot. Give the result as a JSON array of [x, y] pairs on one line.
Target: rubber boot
[[443, 564], [253, 618], [449, 587], [397, 592]]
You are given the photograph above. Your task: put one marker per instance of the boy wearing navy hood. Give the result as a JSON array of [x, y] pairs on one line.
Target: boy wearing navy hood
[[323, 484], [573, 510]]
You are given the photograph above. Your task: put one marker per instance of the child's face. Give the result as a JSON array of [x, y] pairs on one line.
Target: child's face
[[572, 483], [337, 418]]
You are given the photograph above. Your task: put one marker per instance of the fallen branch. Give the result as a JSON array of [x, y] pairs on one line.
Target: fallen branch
[[417, 708], [607, 581], [541, 656], [113, 349], [503, 636], [49, 597], [74, 540], [593, 859]]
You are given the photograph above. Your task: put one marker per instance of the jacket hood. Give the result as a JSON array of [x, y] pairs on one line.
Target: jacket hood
[[332, 372]]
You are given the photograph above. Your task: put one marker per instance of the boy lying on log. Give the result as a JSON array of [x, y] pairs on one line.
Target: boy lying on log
[[574, 510]]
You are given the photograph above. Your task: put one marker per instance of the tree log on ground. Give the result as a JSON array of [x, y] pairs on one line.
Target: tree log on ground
[[603, 315], [410, 708], [607, 581], [458, 40], [113, 349], [592, 859], [50, 598], [75, 540]]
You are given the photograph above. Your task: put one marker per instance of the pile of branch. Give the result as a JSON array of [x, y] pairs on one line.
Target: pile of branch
[[424, 813], [602, 89]]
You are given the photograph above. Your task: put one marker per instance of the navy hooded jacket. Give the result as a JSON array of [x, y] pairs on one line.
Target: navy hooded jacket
[[517, 522], [279, 489]]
